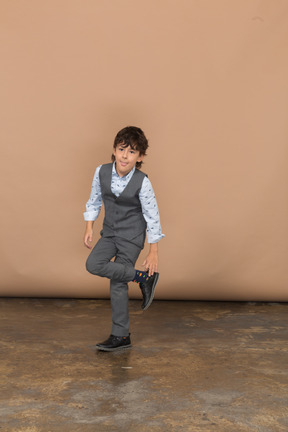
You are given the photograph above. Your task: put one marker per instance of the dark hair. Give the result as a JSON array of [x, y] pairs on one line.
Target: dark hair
[[134, 137]]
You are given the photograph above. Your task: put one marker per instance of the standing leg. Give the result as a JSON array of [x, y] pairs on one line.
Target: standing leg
[[120, 307], [127, 254]]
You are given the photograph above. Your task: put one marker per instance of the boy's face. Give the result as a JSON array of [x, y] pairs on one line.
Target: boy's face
[[125, 158]]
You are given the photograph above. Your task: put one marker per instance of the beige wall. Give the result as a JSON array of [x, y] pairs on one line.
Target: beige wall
[[207, 82]]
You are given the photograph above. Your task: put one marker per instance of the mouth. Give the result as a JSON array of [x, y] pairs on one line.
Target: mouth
[[123, 163]]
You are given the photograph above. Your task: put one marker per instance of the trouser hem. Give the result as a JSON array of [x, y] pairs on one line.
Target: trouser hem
[[119, 334]]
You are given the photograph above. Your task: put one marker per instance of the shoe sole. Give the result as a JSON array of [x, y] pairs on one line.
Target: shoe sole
[[152, 293], [113, 349]]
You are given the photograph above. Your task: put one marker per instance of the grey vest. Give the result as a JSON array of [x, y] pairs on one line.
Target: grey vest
[[123, 214]]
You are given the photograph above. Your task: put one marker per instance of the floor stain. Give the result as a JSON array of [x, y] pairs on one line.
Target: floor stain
[[194, 366]]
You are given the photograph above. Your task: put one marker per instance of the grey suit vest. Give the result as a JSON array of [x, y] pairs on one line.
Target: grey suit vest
[[123, 214]]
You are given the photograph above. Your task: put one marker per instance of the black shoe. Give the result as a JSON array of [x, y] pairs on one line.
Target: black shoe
[[148, 289], [114, 343]]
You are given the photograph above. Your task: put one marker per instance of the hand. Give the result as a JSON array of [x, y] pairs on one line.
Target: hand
[[151, 263], [88, 237]]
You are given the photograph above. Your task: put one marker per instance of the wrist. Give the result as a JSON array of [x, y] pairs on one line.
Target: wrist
[[154, 247], [89, 225]]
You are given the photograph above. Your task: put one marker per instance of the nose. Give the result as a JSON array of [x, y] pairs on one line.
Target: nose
[[125, 153]]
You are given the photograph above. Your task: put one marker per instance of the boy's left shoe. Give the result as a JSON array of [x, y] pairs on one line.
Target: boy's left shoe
[[148, 289], [114, 343]]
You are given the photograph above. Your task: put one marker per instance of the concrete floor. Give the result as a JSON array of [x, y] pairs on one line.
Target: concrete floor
[[194, 366]]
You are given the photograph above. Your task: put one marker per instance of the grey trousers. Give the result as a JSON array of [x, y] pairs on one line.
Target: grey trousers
[[120, 272]]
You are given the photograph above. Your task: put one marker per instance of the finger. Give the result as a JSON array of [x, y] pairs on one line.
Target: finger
[[86, 242], [155, 268]]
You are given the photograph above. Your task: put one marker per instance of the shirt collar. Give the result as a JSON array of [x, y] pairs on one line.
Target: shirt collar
[[129, 175]]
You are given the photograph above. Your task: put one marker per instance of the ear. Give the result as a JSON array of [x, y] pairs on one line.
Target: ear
[[140, 158], [114, 151]]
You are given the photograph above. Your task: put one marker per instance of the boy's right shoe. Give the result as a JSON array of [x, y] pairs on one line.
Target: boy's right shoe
[[114, 343], [148, 289]]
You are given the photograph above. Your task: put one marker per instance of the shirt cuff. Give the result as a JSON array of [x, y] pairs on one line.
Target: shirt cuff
[[152, 238], [90, 216]]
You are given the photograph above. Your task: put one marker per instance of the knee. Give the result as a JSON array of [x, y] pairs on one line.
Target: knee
[[93, 266]]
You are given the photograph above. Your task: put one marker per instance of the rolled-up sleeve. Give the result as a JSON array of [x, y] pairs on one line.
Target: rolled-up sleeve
[[94, 204], [150, 212]]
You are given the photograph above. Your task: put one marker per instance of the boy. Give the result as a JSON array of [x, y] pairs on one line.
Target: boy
[[130, 210]]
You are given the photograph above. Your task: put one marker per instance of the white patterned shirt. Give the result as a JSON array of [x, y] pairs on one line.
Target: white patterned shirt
[[118, 184]]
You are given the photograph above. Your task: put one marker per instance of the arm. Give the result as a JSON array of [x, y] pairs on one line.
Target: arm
[[154, 232], [88, 236], [151, 261], [93, 208]]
